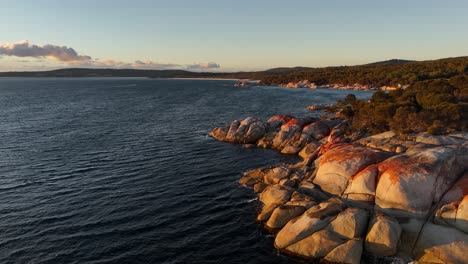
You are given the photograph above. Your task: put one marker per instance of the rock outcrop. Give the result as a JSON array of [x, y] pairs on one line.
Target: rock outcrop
[[380, 194]]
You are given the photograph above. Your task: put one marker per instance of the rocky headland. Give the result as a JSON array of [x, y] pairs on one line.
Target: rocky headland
[[362, 196]]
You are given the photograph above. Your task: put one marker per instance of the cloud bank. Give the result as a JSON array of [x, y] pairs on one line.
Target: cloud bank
[[69, 56], [203, 66], [58, 53]]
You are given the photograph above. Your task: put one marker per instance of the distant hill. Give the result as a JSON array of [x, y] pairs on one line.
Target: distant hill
[[84, 72], [287, 70], [390, 72], [390, 62]]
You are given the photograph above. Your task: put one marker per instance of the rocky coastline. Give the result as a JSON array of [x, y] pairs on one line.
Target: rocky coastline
[[375, 196], [341, 86]]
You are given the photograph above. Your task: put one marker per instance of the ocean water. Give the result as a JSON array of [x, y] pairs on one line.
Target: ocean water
[[105, 170]]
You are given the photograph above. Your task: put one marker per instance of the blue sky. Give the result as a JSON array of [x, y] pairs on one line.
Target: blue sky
[[228, 35]]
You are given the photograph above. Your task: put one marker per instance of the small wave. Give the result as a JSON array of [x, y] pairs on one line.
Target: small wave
[[252, 200]]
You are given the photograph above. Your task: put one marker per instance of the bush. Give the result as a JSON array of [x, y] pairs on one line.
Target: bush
[[436, 106]]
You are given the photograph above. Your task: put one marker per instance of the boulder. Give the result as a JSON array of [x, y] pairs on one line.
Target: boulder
[[277, 121], [267, 140], [410, 183], [288, 182], [282, 214], [349, 253], [308, 188], [314, 219], [256, 173], [453, 210], [259, 187], [361, 188], [350, 223], [452, 253], [317, 130], [275, 175], [219, 133], [441, 244], [383, 236], [247, 131], [266, 211], [317, 245], [292, 128], [232, 131], [275, 194], [291, 150], [248, 181], [336, 166], [309, 149], [427, 138]]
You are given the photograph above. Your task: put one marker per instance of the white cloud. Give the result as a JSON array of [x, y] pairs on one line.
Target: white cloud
[[59, 53]]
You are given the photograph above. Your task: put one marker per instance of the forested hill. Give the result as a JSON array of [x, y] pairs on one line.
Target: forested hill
[[391, 72]]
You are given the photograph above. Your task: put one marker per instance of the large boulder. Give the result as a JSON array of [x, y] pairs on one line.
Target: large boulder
[[276, 194], [317, 245], [441, 244], [350, 223], [248, 131], [411, 183], [348, 253], [336, 166], [309, 149], [267, 140], [383, 236], [266, 211], [314, 219], [308, 188], [317, 130], [290, 129], [275, 175], [282, 214], [361, 188], [277, 121], [291, 150], [453, 207]]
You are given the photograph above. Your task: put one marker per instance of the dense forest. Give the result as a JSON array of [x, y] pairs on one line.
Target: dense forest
[[436, 106]]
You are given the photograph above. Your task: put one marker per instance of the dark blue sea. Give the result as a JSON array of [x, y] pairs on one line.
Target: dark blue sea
[[107, 170]]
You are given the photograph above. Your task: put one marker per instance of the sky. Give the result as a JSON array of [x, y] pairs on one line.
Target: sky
[[224, 35]]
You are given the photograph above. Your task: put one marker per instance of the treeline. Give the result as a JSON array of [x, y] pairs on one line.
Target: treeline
[[377, 74], [436, 106]]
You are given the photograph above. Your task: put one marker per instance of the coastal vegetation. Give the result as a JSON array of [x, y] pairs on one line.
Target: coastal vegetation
[[436, 106]]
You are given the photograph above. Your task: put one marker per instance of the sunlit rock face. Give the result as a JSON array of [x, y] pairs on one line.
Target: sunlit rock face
[[405, 199]]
